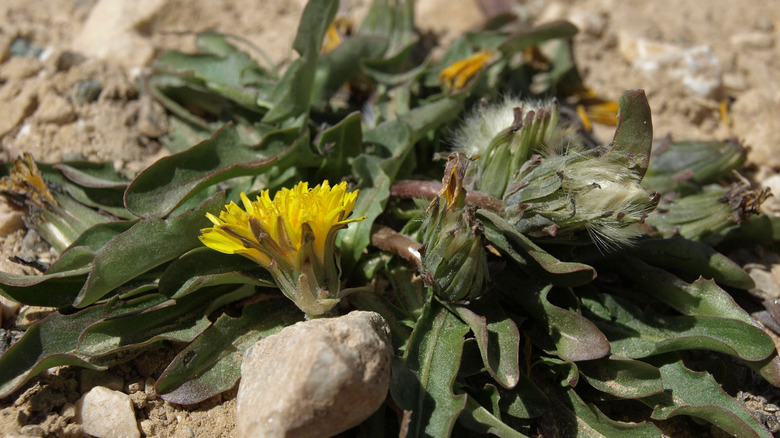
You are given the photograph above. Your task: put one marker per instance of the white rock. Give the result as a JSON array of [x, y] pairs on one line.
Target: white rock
[[634, 49], [696, 67], [110, 31], [105, 413], [315, 378]]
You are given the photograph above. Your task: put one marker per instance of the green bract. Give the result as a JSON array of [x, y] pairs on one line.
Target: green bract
[[545, 282]]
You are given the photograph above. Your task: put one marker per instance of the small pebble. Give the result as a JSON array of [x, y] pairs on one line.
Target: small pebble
[[107, 414], [23, 47], [67, 59], [139, 399], [86, 91], [134, 387], [187, 432], [68, 411], [149, 427], [151, 392], [32, 430]]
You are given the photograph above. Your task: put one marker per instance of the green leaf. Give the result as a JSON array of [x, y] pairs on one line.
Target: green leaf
[[694, 259], [393, 20], [497, 337], [170, 181], [422, 380], [203, 267], [768, 368], [63, 281], [525, 400], [633, 140], [623, 378], [423, 119], [179, 320], [95, 185], [698, 395], [214, 43], [684, 166], [94, 175], [147, 244], [574, 417], [342, 64], [374, 191], [700, 298], [563, 273], [524, 39], [292, 95], [637, 333], [211, 364], [377, 173], [339, 144], [480, 420], [81, 252], [762, 228], [223, 75], [51, 290], [53, 342], [575, 337]]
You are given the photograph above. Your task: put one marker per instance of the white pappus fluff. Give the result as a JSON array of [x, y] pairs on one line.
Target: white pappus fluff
[[486, 121], [609, 198]]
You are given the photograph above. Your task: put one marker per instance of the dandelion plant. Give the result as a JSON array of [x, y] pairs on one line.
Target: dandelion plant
[[536, 281]]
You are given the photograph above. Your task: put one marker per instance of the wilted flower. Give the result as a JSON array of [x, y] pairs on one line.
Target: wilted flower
[[55, 215], [458, 74], [292, 236], [702, 215], [340, 27]]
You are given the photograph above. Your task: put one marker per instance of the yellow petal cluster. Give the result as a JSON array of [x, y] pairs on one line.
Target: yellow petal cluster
[[268, 230]]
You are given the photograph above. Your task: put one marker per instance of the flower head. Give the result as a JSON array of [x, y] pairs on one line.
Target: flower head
[[453, 261], [291, 235]]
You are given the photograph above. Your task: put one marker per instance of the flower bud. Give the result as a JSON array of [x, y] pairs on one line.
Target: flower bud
[[454, 263], [568, 193]]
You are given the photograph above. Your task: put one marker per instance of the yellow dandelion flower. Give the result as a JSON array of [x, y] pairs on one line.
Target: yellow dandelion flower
[[291, 235], [458, 74]]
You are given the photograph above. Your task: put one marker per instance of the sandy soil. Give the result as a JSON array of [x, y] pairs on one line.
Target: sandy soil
[[711, 71]]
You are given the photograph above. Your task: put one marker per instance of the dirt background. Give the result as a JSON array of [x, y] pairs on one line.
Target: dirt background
[[711, 71]]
